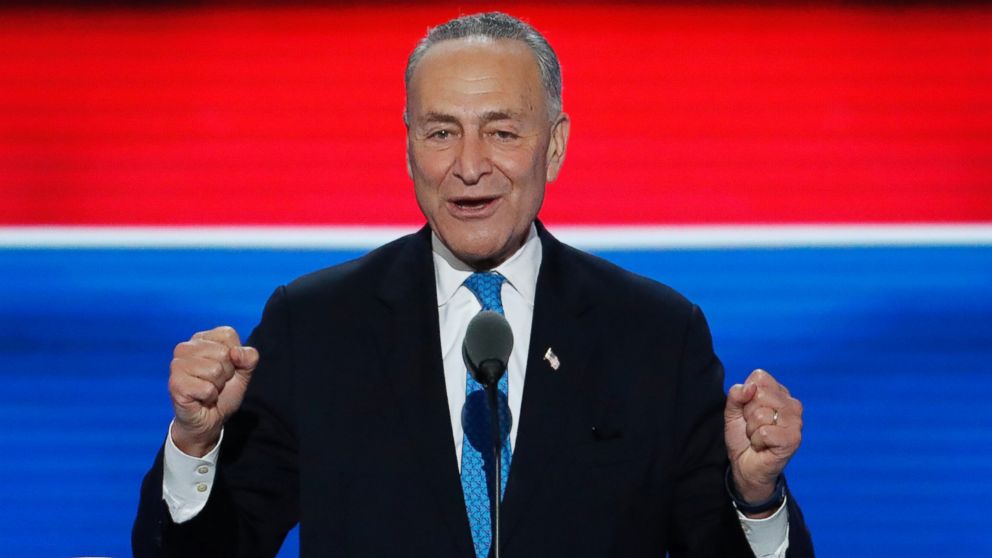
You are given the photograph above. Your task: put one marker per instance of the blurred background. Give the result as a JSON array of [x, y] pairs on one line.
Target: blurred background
[[817, 178]]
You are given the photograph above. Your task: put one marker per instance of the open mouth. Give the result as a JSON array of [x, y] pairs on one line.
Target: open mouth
[[473, 206]]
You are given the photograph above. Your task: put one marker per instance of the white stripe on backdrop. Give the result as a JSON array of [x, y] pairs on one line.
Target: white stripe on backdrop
[[586, 236]]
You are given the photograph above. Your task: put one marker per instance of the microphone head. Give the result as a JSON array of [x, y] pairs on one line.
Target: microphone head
[[487, 347]]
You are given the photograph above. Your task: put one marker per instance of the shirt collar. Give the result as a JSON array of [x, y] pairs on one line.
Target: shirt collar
[[520, 269]]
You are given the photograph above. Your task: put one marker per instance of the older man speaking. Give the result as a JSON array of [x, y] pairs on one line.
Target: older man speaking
[[350, 410]]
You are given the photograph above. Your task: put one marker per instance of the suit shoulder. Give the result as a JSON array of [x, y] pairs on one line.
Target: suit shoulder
[[353, 278], [628, 290]]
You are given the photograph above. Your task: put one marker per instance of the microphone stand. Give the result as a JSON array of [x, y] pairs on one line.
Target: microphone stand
[[492, 391]]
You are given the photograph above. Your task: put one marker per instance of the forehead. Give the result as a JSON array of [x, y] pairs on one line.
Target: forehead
[[477, 74]]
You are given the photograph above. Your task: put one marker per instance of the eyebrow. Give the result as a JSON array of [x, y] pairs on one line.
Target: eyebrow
[[495, 115], [487, 117], [431, 117]]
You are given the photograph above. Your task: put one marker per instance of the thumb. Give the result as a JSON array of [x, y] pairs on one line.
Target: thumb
[[735, 425], [245, 359], [738, 396]]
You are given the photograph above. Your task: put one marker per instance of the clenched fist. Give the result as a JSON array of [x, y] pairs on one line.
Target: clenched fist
[[763, 426], [207, 381]]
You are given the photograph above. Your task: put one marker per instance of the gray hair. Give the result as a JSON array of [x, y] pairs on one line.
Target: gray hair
[[496, 25]]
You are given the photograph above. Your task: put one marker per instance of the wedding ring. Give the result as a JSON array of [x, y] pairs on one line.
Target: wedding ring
[[775, 417]]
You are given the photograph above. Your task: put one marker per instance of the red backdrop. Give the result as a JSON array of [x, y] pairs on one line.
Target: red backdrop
[[714, 114]]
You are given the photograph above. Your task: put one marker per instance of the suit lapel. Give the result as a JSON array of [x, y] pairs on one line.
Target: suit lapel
[[409, 343], [549, 395]]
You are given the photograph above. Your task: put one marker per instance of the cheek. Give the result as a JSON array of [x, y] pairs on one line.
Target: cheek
[[527, 170], [530, 161], [430, 163], [428, 174], [517, 164]]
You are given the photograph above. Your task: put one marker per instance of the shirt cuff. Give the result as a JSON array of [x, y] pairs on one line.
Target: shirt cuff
[[768, 537], [187, 480]]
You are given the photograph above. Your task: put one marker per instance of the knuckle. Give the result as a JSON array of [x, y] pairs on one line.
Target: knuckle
[[227, 333], [206, 348], [215, 369], [199, 389], [211, 393], [761, 415], [178, 386], [178, 369], [182, 367], [199, 347]]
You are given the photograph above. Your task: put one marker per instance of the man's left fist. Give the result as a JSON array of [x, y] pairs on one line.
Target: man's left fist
[[763, 427]]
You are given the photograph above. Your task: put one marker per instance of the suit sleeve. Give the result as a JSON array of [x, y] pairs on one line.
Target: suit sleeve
[[255, 498], [705, 522]]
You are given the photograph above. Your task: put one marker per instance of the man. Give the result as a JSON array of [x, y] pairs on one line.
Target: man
[[353, 413]]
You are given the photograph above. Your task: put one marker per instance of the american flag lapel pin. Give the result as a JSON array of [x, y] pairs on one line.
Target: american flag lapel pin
[[552, 359]]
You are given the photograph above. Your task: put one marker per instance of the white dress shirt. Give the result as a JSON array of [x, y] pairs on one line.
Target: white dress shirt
[[187, 480], [456, 306]]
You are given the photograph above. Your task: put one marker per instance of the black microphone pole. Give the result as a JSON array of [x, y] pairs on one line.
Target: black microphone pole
[[492, 391], [497, 447]]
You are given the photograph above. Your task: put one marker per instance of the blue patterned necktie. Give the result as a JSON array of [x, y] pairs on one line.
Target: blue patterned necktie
[[478, 467]]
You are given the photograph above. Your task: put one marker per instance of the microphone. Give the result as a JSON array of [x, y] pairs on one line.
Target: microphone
[[487, 347], [486, 350]]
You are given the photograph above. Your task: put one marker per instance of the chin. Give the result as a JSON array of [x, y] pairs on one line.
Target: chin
[[478, 257], [483, 244], [481, 253]]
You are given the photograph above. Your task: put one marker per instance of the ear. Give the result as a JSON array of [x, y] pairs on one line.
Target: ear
[[409, 146], [409, 166], [406, 124], [557, 145]]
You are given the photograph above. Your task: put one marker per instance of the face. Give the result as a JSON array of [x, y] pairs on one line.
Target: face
[[481, 145]]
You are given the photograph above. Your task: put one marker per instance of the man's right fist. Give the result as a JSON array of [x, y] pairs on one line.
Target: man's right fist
[[207, 381]]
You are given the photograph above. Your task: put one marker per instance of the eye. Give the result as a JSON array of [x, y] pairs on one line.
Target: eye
[[439, 135], [505, 135]]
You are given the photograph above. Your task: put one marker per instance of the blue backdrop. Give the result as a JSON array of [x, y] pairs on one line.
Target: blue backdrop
[[889, 348]]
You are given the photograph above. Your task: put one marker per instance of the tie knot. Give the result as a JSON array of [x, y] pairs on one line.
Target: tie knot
[[486, 287]]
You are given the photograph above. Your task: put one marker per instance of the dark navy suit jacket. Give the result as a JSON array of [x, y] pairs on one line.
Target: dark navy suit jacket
[[345, 426]]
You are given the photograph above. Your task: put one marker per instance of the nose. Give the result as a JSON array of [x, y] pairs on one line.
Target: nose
[[473, 160]]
